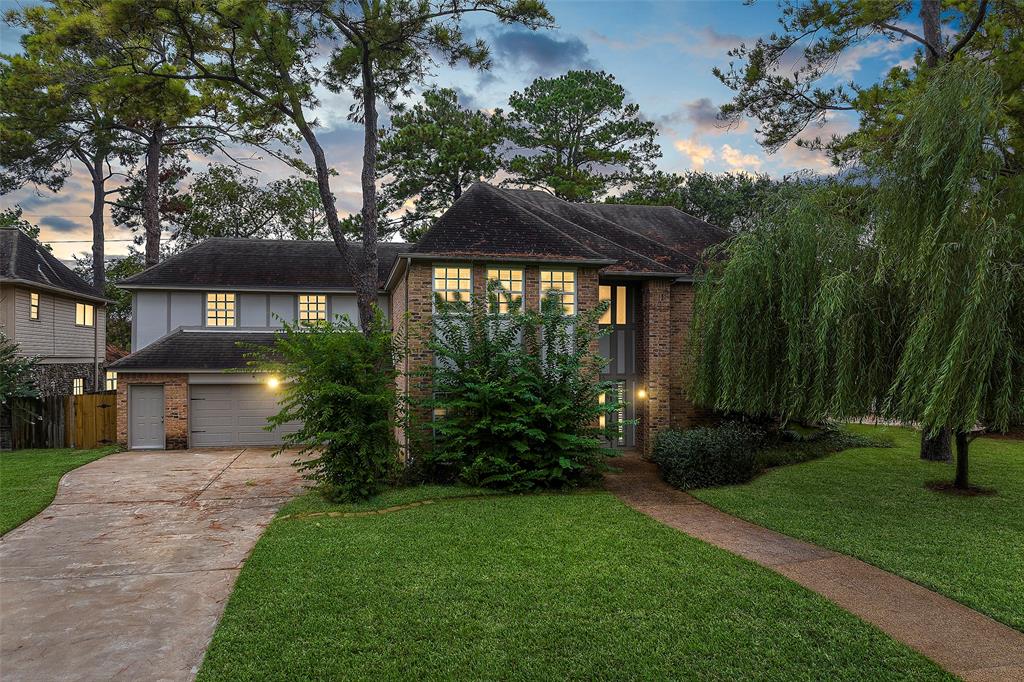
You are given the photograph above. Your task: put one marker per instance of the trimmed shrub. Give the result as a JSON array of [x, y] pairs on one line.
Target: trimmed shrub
[[708, 456]]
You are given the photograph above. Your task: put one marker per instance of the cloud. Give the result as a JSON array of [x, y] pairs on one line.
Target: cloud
[[851, 59], [543, 52], [738, 161], [699, 154], [59, 224], [700, 42]]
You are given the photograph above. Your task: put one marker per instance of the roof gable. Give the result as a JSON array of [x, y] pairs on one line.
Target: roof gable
[[23, 259]]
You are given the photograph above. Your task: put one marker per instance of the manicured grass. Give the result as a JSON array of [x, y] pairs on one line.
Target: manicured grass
[[526, 587], [872, 503], [28, 480]]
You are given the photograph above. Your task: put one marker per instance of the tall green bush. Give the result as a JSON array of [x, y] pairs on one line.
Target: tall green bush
[[516, 400], [340, 383]]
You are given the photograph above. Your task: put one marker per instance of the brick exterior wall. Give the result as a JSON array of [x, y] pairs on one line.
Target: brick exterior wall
[[684, 413], [654, 357], [175, 406]]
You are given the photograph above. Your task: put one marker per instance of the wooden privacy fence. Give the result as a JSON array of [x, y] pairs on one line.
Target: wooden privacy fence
[[80, 421]]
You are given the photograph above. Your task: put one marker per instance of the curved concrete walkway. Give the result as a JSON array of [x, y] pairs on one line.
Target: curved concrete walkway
[[126, 574], [965, 642]]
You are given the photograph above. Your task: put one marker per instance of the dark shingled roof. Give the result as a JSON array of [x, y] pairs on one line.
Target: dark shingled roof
[[24, 259], [488, 221], [261, 263], [194, 350]]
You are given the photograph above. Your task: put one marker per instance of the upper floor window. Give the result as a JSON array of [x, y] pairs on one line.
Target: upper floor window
[[510, 283], [452, 283], [33, 305], [563, 282], [312, 307], [220, 310], [616, 312], [111, 381], [85, 314], [77, 386]]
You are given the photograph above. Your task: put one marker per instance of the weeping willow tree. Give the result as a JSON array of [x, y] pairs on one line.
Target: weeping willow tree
[[789, 320], [949, 212], [904, 299]]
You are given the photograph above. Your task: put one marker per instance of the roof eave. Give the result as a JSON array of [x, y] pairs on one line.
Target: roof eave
[[235, 287], [70, 293], [508, 259]]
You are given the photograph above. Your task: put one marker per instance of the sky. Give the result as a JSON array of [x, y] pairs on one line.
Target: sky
[[661, 52]]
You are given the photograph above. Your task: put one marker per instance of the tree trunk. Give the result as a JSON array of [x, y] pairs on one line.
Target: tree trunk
[[932, 25], [936, 448], [151, 195], [99, 201], [962, 446], [366, 279]]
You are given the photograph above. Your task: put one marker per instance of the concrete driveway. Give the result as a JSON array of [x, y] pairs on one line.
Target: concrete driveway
[[125, 575]]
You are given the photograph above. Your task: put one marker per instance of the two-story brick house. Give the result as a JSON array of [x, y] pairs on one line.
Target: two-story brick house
[[191, 310], [53, 314]]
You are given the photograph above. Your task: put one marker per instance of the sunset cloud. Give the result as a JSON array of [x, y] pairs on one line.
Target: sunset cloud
[[699, 154]]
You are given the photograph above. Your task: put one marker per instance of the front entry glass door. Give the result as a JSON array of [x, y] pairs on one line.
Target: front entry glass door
[[619, 348]]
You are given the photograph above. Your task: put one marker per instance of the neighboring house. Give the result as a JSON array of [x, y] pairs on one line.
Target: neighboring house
[[191, 310], [53, 314]]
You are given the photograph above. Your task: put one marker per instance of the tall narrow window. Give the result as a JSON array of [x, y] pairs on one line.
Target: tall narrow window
[[84, 314], [617, 304], [510, 287], [563, 282], [77, 386], [220, 310], [604, 295], [111, 381], [312, 307], [453, 283], [33, 305]]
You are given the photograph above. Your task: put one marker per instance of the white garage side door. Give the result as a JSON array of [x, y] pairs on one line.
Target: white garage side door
[[234, 415]]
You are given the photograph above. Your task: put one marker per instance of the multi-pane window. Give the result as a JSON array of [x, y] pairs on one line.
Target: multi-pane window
[[312, 307], [510, 287], [563, 282], [616, 312], [111, 381], [452, 283], [220, 310], [77, 386], [33, 305], [84, 314]]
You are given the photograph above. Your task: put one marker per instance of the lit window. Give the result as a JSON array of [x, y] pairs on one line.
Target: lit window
[[84, 314], [616, 306], [33, 306], [562, 281], [220, 310], [452, 283], [312, 307], [78, 386], [510, 283], [111, 381]]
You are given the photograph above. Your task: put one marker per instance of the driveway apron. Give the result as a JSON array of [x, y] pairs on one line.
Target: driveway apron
[[125, 575]]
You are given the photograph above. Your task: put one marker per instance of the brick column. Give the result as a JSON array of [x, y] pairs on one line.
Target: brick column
[[175, 406], [684, 413], [654, 353]]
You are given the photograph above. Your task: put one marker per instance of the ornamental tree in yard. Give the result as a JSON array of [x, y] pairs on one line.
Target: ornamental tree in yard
[[16, 372], [576, 136], [949, 226]]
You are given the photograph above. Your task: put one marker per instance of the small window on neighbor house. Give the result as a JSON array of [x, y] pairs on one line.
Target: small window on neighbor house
[[312, 307], [84, 314], [111, 381], [77, 386], [562, 281], [220, 310], [33, 305], [510, 283], [453, 283]]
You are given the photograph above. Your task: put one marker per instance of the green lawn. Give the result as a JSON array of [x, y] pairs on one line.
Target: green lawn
[[526, 587], [872, 503], [28, 480]]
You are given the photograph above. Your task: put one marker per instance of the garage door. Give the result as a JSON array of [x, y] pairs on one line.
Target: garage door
[[228, 415]]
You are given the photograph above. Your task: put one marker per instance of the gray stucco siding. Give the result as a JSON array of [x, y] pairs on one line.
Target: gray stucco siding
[[252, 311], [186, 309]]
